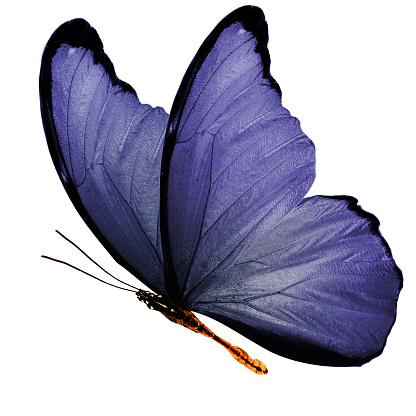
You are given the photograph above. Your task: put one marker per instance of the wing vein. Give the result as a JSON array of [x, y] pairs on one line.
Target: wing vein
[[246, 236], [67, 113], [207, 82], [250, 188]]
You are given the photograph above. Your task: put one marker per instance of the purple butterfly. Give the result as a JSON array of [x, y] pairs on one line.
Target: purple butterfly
[[206, 206]]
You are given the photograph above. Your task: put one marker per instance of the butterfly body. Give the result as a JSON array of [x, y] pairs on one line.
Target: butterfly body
[[206, 205], [187, 319]]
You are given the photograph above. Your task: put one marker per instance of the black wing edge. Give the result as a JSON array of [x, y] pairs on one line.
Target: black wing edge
[[253, 20], [374, 223], [292, 348], [76, 33]]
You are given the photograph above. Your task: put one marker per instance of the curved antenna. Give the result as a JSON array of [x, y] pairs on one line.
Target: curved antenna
[[89, 258], [88, 274]]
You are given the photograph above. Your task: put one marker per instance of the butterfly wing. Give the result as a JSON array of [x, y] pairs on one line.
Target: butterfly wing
[[234, 161], [106, 147], [321, 287], [314, 282]]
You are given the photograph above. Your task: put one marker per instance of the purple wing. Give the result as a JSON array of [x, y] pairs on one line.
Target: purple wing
[[321, 287], [106, 147], [235, 161]]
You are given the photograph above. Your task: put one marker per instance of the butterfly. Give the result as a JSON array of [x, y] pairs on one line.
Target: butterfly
[[206, 206]]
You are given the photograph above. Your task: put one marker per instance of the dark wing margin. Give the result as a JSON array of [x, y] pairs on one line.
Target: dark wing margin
[[234, 158], [106, 147], [320, 288]]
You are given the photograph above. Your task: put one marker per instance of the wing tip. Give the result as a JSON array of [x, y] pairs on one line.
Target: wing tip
[[78, 33], [249, 16], [253, 20]]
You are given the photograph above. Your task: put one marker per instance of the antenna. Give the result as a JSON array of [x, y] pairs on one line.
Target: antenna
[[88, 274]]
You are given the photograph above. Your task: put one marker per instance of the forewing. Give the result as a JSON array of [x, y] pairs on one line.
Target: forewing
[[106, 147], [235, 161], [320, 288]]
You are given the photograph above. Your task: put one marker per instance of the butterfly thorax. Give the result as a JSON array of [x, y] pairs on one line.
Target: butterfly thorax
[[171, 310]]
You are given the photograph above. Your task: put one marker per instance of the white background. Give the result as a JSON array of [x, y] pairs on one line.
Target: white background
[[72, 346]]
